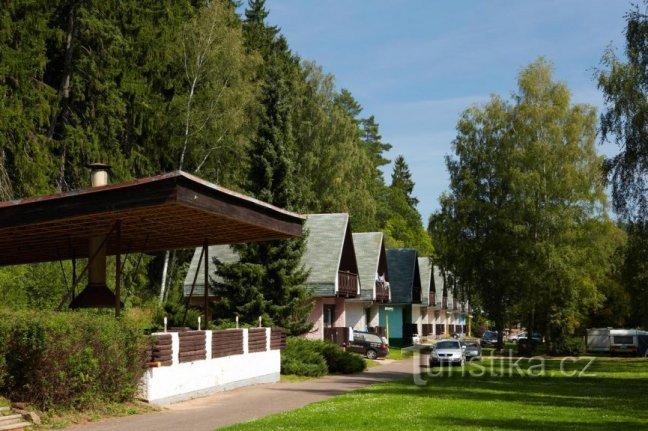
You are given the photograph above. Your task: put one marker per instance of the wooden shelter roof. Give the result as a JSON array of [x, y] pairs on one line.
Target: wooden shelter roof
[[170, 211]]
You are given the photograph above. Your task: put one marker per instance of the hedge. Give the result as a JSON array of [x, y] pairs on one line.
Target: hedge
[[69, 359], [316, 358]]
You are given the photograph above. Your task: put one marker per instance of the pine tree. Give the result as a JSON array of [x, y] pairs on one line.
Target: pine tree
[[402, 180]]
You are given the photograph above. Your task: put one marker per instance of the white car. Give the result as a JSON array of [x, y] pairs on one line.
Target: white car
[[447, 351]]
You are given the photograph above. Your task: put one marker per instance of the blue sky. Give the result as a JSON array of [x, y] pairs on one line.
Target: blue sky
[[417, 64]]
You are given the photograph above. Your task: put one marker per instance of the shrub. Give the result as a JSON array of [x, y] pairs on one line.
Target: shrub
[[70, 359], [570, 346], [317, 358], [341, 362]]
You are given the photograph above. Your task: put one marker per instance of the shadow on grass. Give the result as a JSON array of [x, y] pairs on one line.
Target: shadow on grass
[[624, 396], [526, 424]]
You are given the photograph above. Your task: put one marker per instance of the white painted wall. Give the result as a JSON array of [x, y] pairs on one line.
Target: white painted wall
[[356, 316], [375, 316], [416, 319], [164, 385]]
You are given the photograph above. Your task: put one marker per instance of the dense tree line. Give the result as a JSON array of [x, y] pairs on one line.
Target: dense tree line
[[151, 87]]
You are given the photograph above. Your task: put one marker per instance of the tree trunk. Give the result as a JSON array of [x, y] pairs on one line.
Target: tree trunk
[[164, 276], [64, 93]]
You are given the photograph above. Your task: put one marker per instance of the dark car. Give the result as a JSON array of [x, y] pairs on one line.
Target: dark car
[[471, 349], [489, 339], [537, 337], [371, 345]]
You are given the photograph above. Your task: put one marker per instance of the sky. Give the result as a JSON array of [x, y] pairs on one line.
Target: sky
[[417, 64]]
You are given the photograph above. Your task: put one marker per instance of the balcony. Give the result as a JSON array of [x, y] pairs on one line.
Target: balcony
[[347, 284], [444, 303], [432, 299], [382, 291]]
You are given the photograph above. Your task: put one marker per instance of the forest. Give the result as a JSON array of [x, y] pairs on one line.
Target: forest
[[152, 87], [213, 89]]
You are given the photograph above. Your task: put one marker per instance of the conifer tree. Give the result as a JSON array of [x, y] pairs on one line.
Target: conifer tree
[[268, 279]]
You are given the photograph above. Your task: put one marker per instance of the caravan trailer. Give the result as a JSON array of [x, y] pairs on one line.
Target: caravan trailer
[[629, 341], [598, 340]]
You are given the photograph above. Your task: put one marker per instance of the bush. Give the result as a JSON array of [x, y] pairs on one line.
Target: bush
[[571, 346], [341, 362], [317, 358], [71, 359]]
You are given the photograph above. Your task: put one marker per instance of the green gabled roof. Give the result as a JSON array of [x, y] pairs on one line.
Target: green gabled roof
[[324, 244], [368, 246], [403, 274], [425, 269], [224, 253], [438, 285]]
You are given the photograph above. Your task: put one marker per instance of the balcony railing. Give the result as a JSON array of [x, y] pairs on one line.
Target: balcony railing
[[382, 291], [455, 304], [347, 284], [432, 299], [444, 302]]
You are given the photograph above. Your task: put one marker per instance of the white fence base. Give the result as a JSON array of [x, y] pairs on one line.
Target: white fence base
[[179, 382]]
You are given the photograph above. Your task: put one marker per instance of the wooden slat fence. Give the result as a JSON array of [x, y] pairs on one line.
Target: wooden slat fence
[[161, 350], [277, 339], [257, 340], [227, 342], [192, 346]]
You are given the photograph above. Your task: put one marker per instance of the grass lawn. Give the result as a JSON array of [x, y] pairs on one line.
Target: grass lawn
[[397, 353], [615, 397]]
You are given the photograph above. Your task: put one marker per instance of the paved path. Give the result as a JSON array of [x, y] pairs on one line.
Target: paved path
[[245, 404]]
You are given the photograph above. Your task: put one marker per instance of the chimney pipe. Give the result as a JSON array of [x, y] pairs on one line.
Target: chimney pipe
[[99, 174], [96, 294]]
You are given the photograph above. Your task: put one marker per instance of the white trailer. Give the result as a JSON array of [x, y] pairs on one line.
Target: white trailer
[[617, 341], [598, 340]]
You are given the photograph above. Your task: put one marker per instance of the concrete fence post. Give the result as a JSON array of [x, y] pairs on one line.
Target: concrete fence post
[[246, 347], [208, 345], [175, 348]]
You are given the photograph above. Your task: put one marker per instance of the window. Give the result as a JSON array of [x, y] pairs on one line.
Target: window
[[329, 315], [623, 339]]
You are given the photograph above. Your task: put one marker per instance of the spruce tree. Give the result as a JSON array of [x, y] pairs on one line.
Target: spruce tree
[[402, 180], [268, 279]]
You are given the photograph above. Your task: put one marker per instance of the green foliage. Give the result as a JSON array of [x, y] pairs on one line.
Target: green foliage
[[569, 346], [71, 359], [524, 224], [625, 118], [316, 358], [635, 274], [403, 226]]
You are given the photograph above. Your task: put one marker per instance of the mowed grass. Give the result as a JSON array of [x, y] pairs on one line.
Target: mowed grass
[[612, 396]]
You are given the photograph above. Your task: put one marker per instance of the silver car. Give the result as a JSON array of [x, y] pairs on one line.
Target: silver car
[[447, 351]]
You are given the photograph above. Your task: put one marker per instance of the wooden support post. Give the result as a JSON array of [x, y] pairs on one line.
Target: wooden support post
[[118, 272], [206, 290]]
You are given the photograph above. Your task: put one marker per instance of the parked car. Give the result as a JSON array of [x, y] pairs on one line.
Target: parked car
[[447, 351], [537, 337], [514, 337], [472, 349], [489, 339], [370, 345], [459, 335]]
